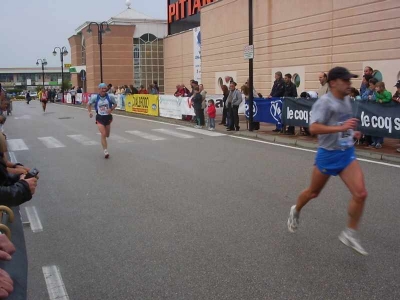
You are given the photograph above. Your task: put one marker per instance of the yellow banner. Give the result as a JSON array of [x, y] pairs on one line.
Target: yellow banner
[[142, 104]]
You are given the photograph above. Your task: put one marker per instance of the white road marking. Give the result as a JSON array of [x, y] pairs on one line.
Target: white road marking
[[17, 145], [174, 133], [12, 157], [24, 117], [51, 142], [145, 135], [55, 285], [83, 140], [117, 138], [313, 151], [201, 131], [33, 217]]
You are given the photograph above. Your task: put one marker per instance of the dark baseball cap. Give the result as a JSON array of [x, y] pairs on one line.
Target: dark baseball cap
[[397, 84], [340, 73]]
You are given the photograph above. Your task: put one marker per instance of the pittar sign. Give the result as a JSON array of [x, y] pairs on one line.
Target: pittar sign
[[182, 9]]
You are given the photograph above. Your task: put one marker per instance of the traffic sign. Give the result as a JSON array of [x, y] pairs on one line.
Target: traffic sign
[[249, 52]]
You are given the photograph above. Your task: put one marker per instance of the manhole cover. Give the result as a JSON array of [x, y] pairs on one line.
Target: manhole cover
[[65, 118]]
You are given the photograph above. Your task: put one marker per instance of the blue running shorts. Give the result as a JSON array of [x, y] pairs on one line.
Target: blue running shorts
[[333, 162]]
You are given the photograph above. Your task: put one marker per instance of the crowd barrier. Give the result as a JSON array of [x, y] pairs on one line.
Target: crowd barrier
[[376, 119]]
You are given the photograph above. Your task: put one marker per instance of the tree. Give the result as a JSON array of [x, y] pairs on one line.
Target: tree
[[66, 85]]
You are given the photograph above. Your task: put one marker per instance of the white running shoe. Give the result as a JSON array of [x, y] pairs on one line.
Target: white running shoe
[[350, 240], [106, 154], [197, 126], [293, 221]]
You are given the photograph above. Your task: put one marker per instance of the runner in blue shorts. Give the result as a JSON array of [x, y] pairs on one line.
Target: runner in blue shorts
[[104, 104], [332, 121]]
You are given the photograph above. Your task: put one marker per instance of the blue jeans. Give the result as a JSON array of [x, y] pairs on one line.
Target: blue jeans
[[377, 140], [211, 122]]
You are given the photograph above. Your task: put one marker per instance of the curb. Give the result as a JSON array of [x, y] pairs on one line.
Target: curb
[[265, 137]]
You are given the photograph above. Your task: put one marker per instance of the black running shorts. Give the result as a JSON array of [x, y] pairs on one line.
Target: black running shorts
[[104, 120]]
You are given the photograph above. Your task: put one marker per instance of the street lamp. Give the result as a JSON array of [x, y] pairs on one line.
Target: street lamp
[[44, 63], [251, 71], [63, 52], [100, 31]]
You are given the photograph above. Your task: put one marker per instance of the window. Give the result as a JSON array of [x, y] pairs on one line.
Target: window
[[6, 77], [83, 52], [148, 62]]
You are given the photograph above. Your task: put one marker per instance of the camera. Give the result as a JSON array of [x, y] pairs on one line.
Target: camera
[[32, 173]]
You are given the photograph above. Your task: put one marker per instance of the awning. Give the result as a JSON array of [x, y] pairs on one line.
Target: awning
[[76, 69]]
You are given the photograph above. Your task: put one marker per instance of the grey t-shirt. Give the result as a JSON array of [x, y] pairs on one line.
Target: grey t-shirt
[[331, 111], [103, 104]]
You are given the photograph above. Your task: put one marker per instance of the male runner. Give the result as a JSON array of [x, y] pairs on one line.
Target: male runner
[[332, 120], [104, 104]]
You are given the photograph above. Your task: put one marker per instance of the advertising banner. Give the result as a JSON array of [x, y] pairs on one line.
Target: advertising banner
[[297, 111], [266, 110], [86, 98], [170, 106], [78, 98], [219, 103], [187, 107], [197, 54], [69, 99], [142, 104], [376, 119], [120, 99]]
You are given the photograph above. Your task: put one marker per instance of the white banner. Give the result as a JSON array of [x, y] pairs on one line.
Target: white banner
[[170, 106], [69, 99], [197, 54], [120, 99], [78, 98], [187, 107]]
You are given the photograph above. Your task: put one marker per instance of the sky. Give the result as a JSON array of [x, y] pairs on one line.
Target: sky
[[30, 29]]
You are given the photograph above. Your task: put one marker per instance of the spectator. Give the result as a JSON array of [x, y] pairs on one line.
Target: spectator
[[234, 100], [203, 94], [134, 91], [73, 95], [131, 87], [396, 96], [367, 71], [369, 93], [354, 93], [211, 112], [255, 94], [79, 90], [225, 93], [127, 90], [156, 87], [152, 90], [290, 91], [28, 97], [109, 88], [143, 90], [382, 95], [197, 100], [278, 90], [323, 80], [178, 92], [245, 91]]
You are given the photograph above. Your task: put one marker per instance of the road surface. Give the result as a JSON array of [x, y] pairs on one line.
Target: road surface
[[177, 213]]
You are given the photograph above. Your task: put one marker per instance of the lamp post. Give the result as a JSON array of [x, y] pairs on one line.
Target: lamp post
[[44, 63], [251, 86], [63, 52], [100, 31]]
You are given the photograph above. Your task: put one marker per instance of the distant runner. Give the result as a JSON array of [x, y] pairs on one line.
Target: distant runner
[[104, 104], [332, 120]]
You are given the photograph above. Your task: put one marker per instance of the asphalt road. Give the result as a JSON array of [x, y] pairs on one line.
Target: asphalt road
[[194, 218]]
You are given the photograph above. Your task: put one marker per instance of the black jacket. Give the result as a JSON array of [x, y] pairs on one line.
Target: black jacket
[[290, 90], [197, 100], [278, 90], [13, 191]]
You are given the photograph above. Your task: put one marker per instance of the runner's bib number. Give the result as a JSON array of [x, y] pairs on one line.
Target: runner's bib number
[[103, 110], [345, 139]]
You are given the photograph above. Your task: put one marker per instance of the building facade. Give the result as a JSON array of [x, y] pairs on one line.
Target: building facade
[[300, 37], [30, 78], [132, 52]]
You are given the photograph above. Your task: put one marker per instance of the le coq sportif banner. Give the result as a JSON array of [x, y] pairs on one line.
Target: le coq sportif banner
[[376, 119]]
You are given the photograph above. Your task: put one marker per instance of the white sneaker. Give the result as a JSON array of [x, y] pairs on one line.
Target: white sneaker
[[197, 127], [350, 240], [293, 221], [106, 154]]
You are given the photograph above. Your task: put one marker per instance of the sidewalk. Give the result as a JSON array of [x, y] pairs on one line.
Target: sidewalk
[[387, 153]]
